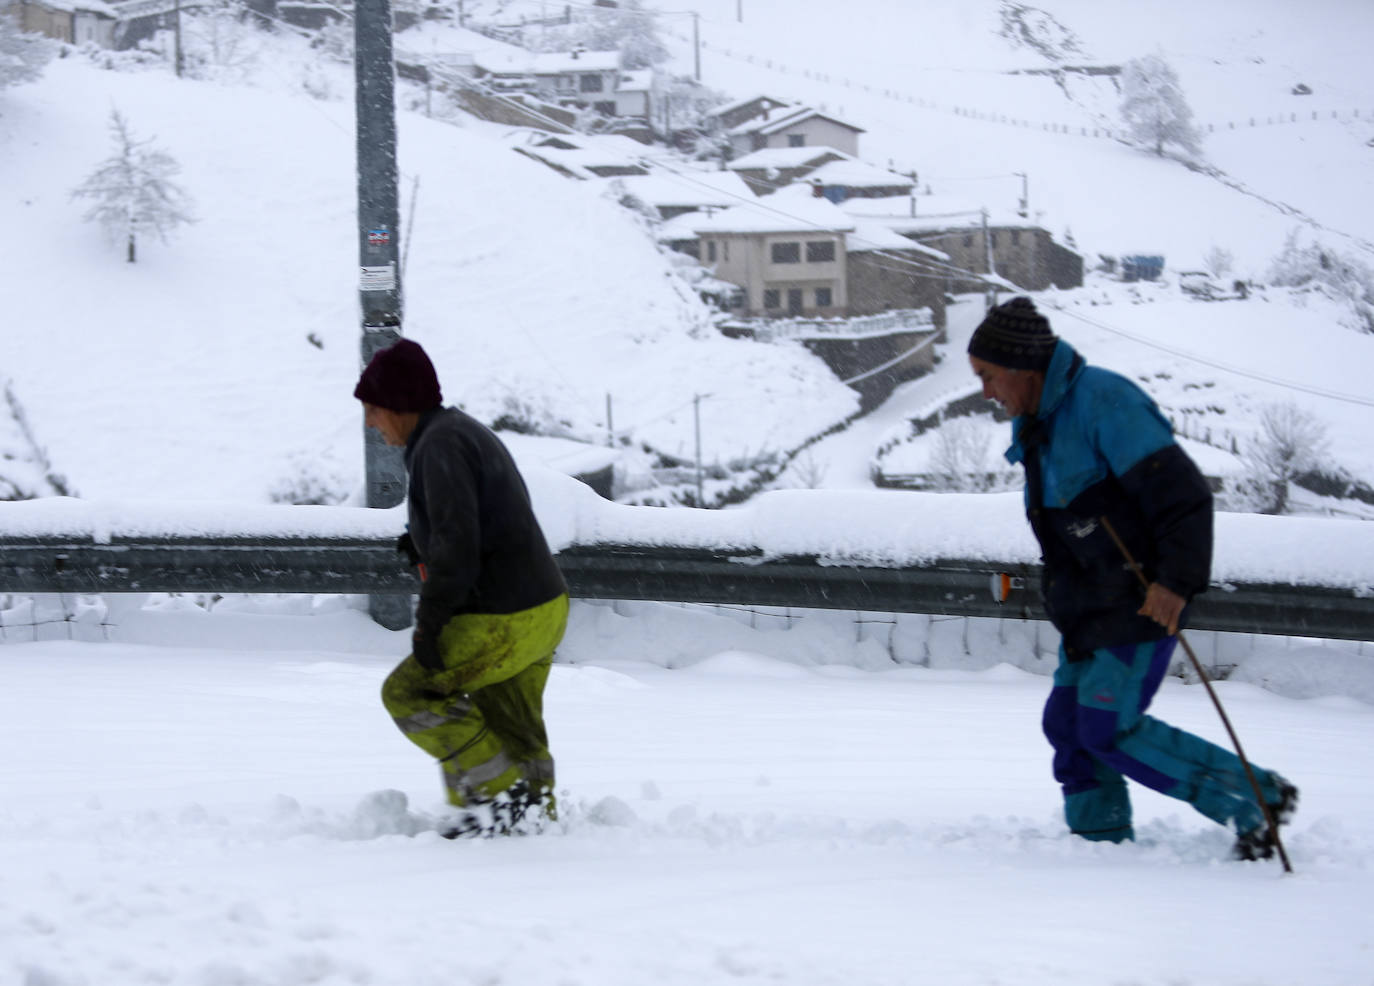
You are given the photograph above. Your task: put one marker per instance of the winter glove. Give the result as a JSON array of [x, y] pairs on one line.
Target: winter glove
[[424, 645], [405, 546]]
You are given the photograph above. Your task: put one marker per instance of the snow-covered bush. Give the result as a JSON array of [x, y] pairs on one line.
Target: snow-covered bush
[[959, 462], [1153, 106], [22, 55], [1314, 266]]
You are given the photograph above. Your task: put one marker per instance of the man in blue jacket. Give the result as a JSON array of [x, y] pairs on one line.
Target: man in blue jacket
[[493, 604], [1097, 451]]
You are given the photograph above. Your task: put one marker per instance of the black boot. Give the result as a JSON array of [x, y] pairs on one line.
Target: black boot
[[1259, 843]]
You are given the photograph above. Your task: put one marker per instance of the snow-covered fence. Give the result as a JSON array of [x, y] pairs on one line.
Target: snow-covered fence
[[873, 551]]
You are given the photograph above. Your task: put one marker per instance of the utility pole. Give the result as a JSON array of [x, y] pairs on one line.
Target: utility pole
[[379, 282], [696, 41], [1023, 208], [987, 256], [696, 417], [739, 11], [176, 33]]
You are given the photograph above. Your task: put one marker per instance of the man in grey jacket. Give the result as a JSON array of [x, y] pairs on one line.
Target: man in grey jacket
[[493, 604]]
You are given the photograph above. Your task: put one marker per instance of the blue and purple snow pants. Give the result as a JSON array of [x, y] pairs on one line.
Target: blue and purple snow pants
[[1095, 720]]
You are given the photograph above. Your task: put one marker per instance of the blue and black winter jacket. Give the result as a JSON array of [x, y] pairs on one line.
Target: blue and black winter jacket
[[1097, 447]]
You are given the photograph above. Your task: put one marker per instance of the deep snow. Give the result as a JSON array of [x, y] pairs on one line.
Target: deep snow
[[221, 811]]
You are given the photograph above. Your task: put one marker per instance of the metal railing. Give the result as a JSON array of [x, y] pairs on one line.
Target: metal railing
[[33, 563]]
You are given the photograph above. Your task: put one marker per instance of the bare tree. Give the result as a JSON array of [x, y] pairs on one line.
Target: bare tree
[[22, 55], [132, 190], [1290, 442], [1153, 106]]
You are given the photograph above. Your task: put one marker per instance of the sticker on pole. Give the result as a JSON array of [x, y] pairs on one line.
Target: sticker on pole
[[378, 278], [378, 238]]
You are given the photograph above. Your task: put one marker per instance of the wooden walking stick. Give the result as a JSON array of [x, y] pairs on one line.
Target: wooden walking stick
[[1225, 721]]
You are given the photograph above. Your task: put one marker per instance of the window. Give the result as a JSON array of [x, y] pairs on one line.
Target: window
[[786, 253], [820, 251], [725, 250], [823, 298], [968, 239], [591, 83], [1015, 237], [710, 251], [606, 108], [772, 299], [796, 140], [794, 301], [994, 239]]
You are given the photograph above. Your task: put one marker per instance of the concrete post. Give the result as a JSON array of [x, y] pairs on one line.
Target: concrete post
[[379, 285]]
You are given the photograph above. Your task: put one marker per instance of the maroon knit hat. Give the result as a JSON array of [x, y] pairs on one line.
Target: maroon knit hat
[[400, 378]]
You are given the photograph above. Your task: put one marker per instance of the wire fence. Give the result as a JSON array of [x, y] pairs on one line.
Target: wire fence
[[1275, 118]]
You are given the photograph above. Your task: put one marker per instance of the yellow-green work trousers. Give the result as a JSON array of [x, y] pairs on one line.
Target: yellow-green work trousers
[[482, 717]]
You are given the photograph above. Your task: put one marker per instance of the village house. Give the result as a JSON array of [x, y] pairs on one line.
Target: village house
[[794, 255], [73, 21], [846, 178], [732, 114], [1021, 251], [787, 262], [793, 126]]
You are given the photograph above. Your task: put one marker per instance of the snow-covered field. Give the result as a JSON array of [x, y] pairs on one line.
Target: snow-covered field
[[218, 799], [238, 810]]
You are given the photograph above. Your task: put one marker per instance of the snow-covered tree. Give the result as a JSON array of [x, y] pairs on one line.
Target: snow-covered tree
[[1290, 442], [628, 28], [22, 55], [1153, 106], [219, 42], [1314, 266], [133, 191], [1218, 261]]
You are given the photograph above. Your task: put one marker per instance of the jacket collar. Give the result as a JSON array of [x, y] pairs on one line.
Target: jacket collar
[[425, 421], [1065, 367]]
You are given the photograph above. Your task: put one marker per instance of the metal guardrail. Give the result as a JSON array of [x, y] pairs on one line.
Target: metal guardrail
[[951, 587]]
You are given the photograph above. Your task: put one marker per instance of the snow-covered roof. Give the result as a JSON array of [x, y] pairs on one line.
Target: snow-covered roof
[[509, 60], [789, 117], [78, 6], [774, 214], [740, 103], [687, 188], [783, 157], [933, 212], [557, 62], [853, 173], [876, 236]]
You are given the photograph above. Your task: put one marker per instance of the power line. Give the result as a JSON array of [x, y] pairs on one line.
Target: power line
[[1218, 365]]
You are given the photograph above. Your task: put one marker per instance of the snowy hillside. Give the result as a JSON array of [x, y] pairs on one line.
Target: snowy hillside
[[193, 372], [221, 364]]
